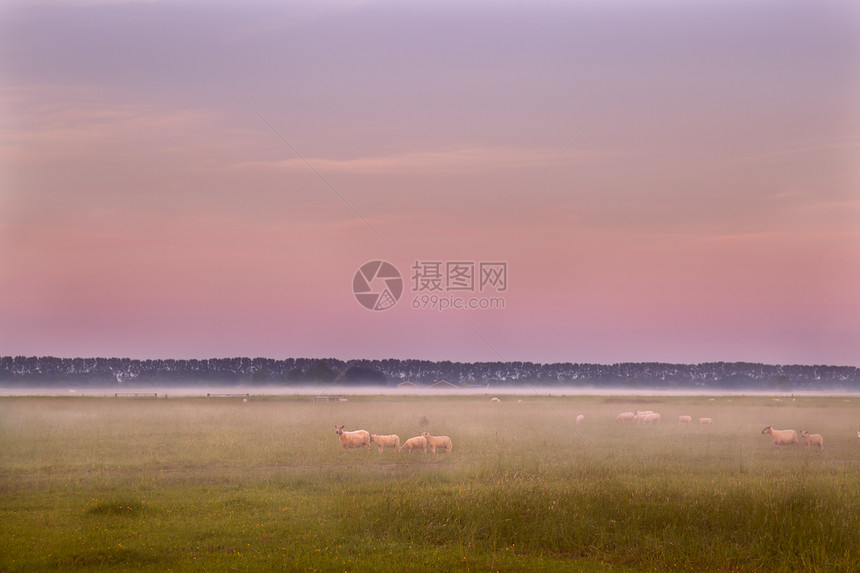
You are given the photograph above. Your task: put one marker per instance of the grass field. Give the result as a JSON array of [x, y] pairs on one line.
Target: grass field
[[196, 484]]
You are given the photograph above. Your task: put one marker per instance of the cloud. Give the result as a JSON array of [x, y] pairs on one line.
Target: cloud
[[48, 123], [463, 159], [830, 144]]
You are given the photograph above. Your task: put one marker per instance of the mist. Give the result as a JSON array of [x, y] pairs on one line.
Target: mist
[[334, 391]]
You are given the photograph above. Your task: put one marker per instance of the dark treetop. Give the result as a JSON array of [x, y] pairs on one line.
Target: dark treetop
[[24, 371]]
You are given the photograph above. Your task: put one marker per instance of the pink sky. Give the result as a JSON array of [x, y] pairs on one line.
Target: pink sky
[[666, 182]]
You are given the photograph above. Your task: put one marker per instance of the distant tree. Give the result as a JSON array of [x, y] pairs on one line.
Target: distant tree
[[296, 375], [321, 372], [262, 375], [361, 375]]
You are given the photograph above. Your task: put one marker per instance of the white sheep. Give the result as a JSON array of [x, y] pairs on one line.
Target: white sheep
[[639, 415], [705, 421], [415, 443], [781, 437], [628, 417], [652, 418], [354, 439], [685, 419], [812, 439], [392, 441], [494, 399], [580, 419], [438, 442]]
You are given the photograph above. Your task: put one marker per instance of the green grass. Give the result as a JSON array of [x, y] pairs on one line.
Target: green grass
[[107, 484]]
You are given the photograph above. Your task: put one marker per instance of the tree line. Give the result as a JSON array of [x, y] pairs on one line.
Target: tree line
[[126, 372]]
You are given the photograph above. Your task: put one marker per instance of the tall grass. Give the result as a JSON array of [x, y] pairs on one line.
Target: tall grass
[[217, 485]]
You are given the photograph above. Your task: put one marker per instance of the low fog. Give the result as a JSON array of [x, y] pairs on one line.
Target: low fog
[[335, 391]]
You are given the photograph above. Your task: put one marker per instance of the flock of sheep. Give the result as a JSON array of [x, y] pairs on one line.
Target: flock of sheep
[[779, 437], [789, 438], [363, 439], [650, 417]]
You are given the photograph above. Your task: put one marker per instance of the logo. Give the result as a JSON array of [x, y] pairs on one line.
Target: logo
[[377, 285]]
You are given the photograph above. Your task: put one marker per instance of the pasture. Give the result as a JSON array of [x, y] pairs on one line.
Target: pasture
[[196, 484]]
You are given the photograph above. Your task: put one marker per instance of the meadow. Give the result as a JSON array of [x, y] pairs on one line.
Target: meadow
[[197, 484]]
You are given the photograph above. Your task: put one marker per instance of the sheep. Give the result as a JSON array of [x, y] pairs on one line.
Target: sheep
[[494, 399], [685, 419], [640, 415], [580, 419], [812, 439], [652, 418], [354, 439], [414, 444], [705, 421], [781, 437], [628, 417], [438, 442], [381, 442]]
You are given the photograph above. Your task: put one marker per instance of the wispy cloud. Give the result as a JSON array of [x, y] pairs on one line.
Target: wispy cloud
[[456, 159], [50, 123], [844, 143]]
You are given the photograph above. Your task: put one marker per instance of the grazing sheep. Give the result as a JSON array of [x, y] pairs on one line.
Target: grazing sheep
[[381, 442], [652, 418], [438, 442], [415, 443], [628, 417], [685, 419], [781, 437], [580, 419], [354, 439], [705, 421], [812, 439], [494, 399], [640, 415]]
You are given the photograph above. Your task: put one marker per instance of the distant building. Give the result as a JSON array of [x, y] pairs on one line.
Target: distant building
[[443, 385], [477, 386], [330, 399], [407, 384]]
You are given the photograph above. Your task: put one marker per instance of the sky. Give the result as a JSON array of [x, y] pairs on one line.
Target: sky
[[650, 181]]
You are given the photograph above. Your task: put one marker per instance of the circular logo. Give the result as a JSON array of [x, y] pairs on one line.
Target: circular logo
[[377, 285]]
